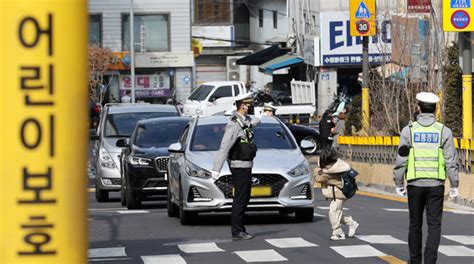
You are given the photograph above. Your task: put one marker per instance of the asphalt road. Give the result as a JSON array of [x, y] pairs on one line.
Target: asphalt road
[[118, 235]]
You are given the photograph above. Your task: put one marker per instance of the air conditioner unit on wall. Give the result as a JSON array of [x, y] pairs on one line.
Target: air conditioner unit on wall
[[236, 72]]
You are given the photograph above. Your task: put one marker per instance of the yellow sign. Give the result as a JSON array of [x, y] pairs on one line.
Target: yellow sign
[[458, 15], [362, 18], [197, 47], [43, 126]]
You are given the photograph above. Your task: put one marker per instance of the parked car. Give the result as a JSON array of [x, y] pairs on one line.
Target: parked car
[[118, 121], [144, 159], [281, 178], [212, 97]]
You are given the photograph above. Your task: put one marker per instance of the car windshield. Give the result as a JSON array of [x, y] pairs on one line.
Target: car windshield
[[266, 136], [122, 125], [158, 134], [201, 92]]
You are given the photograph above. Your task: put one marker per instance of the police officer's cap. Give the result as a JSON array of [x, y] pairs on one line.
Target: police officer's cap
[[244, 98], [269, 107], [427, 98]]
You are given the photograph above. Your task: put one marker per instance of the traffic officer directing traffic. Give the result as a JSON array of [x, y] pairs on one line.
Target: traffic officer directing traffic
[[426, 155], [238, 149]]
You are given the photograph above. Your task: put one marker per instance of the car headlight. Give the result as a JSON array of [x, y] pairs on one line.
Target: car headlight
[[105, 159], [199, 111], [137, 161], [196, 171], [299, 170]]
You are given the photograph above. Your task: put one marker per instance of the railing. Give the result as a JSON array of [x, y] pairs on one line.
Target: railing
[[384, 150]]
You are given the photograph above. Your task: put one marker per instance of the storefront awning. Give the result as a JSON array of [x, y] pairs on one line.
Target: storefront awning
[[281, 62], [262, 56]]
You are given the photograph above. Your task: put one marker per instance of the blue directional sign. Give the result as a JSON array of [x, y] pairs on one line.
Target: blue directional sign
[[460, 3], [362, 11], [126, 60]]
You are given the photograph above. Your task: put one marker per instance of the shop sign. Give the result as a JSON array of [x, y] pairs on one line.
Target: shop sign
[[149, 85], [419, 6], [164, 59], [214, 36], [338, 47]]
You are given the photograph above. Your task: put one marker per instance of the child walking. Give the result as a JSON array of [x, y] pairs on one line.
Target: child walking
[[329, 175]]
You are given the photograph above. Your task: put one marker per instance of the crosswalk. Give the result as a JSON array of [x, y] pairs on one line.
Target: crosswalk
[[273, 250]]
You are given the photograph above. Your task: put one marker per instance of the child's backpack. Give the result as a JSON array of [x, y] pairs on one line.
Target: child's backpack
[[349, 185]]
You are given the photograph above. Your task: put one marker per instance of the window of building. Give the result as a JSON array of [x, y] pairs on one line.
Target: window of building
[[275, 19], [95, 30], [314, 22], [150, 32], [212, 11], [260, 17]]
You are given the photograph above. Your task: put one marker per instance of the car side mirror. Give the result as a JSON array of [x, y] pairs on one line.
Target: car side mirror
[[93, 134], [176, 148], [307, 145], [122, 143], [212, 98]]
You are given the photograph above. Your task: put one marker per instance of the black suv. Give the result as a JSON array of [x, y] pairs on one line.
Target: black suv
[[144, 158]]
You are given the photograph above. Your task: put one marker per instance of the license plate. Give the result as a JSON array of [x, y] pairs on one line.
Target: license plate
[[259, 191]]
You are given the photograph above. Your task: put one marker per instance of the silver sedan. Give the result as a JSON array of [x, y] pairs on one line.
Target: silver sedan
[[281, 178]]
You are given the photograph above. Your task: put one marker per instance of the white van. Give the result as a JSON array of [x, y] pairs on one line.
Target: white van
[[213, 97]]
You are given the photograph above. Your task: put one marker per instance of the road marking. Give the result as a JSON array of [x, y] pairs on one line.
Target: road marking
[[392, 260], [383, 196], [296, 242], [107, 252], [109, 259], [327, 208], [269, 255], [105, 209], [319, 215], [198, 241], [395, 209], [465, 240], [133, 212], [91, 190], [200, 248], [464, 212], [358, 251], [161, 259], [456, 251], [380, 239]]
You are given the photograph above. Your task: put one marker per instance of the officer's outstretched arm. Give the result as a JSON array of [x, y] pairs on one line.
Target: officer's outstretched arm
[[450, 157], [402, 160]]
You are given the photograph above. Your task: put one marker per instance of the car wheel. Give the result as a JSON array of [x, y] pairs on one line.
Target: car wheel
[[304, 214], [171, 208], [185, 217], [100, 195], [132, 200], [316, 143]]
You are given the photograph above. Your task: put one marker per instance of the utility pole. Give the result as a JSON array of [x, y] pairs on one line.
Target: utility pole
[[465, 38], [365, 84], [132, 52]]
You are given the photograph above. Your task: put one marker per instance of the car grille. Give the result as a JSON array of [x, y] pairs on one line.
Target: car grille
[[116, 181], [275, 181], [162, 164]]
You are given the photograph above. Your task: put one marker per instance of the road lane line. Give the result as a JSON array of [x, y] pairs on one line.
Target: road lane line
[[109, 259], [392, 260]]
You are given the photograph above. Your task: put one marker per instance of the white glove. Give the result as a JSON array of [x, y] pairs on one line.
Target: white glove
[[259, 114], [401, 191], [453, 193], [215, 175]]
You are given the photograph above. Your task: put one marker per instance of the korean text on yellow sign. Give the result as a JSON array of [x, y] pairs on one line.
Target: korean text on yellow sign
[[458, 15], [362, 18], [43, 126]]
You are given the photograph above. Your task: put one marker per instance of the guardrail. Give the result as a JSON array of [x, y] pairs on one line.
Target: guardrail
[[384, 150]]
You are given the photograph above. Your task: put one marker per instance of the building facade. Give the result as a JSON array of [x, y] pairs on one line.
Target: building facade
[[164, 59]]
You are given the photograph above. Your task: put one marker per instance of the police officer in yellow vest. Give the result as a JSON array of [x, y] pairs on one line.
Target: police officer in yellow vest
[[426, 156], [238, 149]]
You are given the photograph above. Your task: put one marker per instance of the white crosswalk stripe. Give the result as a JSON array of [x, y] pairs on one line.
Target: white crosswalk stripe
[[361, 251], [260, 256], [200, 248], [296, 242], [465, 240], [161, 259], [463, 212], [395, 209], [107, 252], [133, 212], [456, 251], [380, 239]]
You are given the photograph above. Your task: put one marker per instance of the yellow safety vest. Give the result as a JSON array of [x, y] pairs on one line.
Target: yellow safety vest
[[426, 158]]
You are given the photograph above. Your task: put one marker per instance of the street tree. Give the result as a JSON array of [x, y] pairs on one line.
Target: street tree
[[99, 60]]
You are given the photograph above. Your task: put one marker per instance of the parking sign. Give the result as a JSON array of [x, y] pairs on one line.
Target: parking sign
[[362, 18], [458, 15]]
